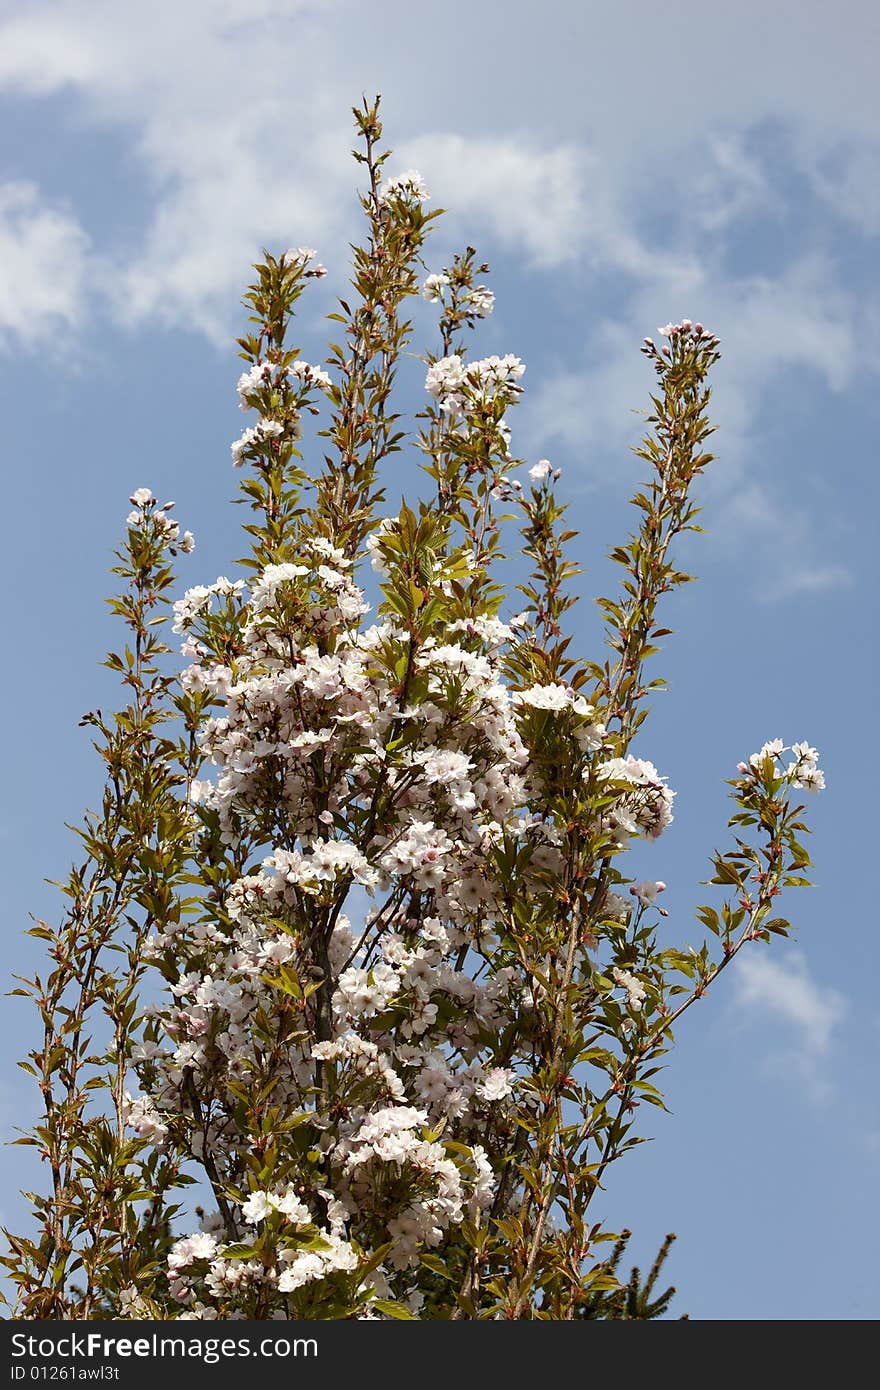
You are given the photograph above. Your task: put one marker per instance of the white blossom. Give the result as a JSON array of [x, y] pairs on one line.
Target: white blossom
[[635, 990], [434, 286], [646, 891], [408, 186], [480, 301]]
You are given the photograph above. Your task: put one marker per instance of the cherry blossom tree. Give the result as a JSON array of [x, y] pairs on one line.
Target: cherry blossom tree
[[353, 1004]]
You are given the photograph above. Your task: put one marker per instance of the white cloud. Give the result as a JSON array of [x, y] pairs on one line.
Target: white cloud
[[199, 249], [577, 143], [800, 321], [787, 992], [806, 1013], [801, 318], [43, 268], [243, 132], [632, 79], [236, 113], [847, 176], [732, 184], [558, 203], [226, 127], [790, 539], [529, 196], [808, 579]]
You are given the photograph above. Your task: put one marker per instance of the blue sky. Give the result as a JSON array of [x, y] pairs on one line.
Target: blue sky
[[619, 166]]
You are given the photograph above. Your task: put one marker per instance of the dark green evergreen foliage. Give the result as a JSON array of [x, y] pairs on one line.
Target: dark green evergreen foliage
[[633, 1300]]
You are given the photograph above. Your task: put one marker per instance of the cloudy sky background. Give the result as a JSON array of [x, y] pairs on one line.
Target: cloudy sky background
[[619, 166]]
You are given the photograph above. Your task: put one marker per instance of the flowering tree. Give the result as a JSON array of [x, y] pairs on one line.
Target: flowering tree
[[352, 945]]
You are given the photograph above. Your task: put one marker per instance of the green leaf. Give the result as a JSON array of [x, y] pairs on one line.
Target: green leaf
[[392, 1309]]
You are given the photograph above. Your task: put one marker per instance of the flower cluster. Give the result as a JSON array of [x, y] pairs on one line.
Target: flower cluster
[[681, 336], [362, 790], [476, 302], [803, 771], [388, 772], [395, 771], [407, 1007], [145, 510], [434, 286], [455, 384], [408, 187], [635, 990], [282, 394], [644, 803], [301, 257]]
